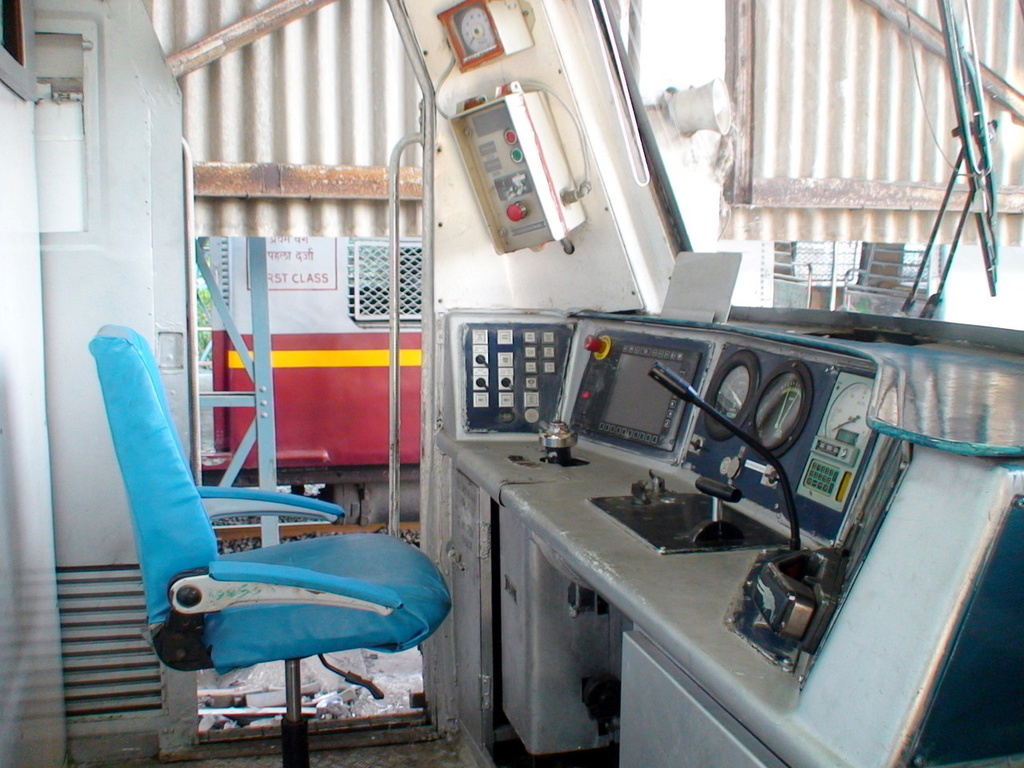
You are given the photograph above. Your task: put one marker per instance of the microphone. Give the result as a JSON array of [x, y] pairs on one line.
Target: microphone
[[680, 387]]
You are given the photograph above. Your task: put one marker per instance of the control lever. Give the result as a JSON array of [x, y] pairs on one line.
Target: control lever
[[718, 530], [681, 388], [718, 490], [797, 592], [648, 493]]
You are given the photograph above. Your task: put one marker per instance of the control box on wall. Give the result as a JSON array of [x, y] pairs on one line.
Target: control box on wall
[[518, 167]]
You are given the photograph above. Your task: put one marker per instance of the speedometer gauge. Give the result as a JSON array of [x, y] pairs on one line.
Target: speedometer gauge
[[846, 419], [782, 408], [732, 390]]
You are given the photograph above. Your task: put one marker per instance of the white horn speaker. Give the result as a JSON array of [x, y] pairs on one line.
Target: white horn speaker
[[705, 108]]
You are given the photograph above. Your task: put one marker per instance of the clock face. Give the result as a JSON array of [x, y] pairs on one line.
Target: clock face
[[475, 30]]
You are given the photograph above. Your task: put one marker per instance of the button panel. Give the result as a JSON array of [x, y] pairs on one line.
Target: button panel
[[514, 375]]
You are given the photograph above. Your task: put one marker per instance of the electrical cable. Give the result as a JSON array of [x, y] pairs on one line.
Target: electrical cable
[[920, 88], [584, 187], [440, 82], [353, 679]]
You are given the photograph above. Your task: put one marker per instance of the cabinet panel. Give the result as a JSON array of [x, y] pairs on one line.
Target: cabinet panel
[[559, 645], [669, 722], [471, 609]]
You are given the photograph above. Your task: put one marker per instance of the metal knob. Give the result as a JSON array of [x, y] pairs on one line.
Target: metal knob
[[557, 435], [557, 441]]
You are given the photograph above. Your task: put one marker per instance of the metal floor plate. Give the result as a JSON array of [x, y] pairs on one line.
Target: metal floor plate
[[677, 522], [431, 754]]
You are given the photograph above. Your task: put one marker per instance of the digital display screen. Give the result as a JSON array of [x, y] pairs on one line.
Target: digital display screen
[[847, 436], [637, 400], [618, 400]]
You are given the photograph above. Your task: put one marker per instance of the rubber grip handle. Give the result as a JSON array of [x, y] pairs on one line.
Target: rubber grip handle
[[719, 490]]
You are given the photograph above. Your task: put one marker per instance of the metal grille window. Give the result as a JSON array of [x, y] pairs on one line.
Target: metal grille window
[[851, 276], [369, 280], [885, 277], [216, 250], [828, 262]]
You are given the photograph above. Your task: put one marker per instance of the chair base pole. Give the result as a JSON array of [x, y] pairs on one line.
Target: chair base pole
[[295, 743], [294, 727]]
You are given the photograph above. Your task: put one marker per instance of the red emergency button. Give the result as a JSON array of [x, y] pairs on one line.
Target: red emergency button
[[599, 345], [510, 136], [516, 212]]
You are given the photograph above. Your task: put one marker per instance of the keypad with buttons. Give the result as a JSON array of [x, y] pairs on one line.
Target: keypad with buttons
[[514, 375]]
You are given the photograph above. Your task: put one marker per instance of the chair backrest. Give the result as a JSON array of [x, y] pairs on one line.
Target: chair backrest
[[172, 530]]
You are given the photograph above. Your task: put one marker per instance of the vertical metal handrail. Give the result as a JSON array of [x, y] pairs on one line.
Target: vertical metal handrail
[[191, 317], [433, 519], [429, 416], [394, 339]]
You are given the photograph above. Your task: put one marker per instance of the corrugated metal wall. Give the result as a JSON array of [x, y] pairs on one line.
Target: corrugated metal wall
[[320, 90], [841, 93]]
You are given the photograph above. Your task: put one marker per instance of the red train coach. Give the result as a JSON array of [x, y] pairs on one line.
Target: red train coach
[[328, 313]]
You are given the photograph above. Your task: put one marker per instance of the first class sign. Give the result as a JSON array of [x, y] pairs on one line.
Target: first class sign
[[302, 264]]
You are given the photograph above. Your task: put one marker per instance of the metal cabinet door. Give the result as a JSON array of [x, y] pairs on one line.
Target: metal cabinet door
[[471, 609], [669, 722]]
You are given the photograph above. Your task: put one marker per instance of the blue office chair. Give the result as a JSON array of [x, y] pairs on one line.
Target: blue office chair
[[285, 602]]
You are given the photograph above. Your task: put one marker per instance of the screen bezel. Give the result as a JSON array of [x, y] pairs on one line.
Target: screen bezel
[[601, 385]]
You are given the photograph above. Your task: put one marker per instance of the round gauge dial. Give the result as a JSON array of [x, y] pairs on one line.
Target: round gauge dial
[[782, 408], [475, 30], [731, 391], [846, 419]]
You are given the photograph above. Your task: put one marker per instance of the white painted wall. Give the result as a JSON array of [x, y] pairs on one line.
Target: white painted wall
[[31, 703], [126, 265]]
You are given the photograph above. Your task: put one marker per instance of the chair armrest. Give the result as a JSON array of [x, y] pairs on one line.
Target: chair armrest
[[229, 502], [231, 583]]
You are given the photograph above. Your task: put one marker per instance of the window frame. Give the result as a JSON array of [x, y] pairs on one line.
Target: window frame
[[19, 75]]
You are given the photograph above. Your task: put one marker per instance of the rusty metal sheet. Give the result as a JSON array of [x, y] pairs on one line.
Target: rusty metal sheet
[[333, 88], [850, 131], [263, 22], [307, 182], [868, 194]]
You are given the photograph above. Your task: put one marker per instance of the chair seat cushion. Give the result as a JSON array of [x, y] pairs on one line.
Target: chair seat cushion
[[240, 637]]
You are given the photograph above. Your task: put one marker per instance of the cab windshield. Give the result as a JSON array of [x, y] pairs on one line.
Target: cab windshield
[[822, 142]]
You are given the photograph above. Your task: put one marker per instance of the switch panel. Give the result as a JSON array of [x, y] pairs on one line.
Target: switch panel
[[517, 164], [514, 375]]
